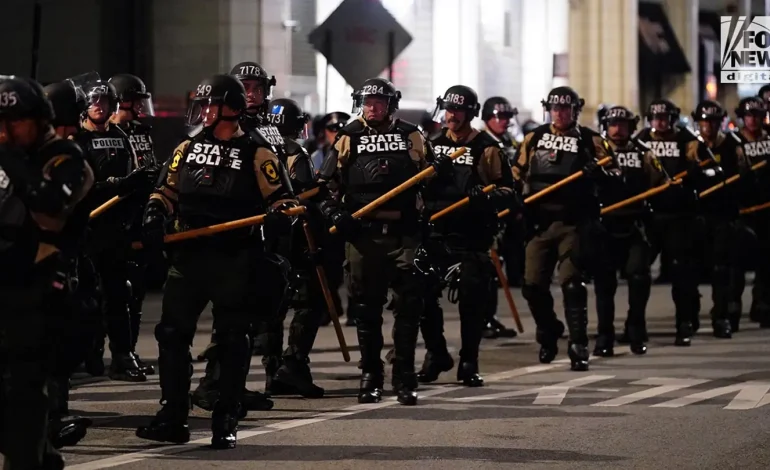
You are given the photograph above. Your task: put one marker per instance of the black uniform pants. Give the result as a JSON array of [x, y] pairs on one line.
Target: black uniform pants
[[759, 253], [625, 248], [679, 234], [473, 290], [137, 268], [113, 269], [375, 262], [726, 274], [29, 327], [229, 278]]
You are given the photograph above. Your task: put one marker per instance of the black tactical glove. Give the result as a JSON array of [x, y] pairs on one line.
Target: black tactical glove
[[506, 198], [347, 226], [154, 225], [592, 169], [276, 222], [142, 178], [443, 166], [479, 200]]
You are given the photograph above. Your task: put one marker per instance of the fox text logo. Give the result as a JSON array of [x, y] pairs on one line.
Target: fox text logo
[[745, 49]]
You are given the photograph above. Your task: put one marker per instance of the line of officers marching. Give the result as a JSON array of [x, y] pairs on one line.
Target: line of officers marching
[[80, 185]]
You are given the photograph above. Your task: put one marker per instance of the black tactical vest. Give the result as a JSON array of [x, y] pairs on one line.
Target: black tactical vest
[[443, 192], [725, 199], [378, 163], [298, 160], [629, 159], [108, 153], [141, 141], [672, 154], [755, 152], [509, 148], [555, 157], [217, 181]]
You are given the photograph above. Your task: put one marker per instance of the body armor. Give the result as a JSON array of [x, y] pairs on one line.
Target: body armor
[[141, 141], [109, 152], [672, 154], [634, 179], [378, 163], [217, 182]]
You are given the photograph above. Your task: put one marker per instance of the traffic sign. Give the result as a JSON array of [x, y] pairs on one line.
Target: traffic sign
[[360, 39]]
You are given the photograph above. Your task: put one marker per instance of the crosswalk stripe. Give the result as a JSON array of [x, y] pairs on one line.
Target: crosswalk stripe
[[664, 385]]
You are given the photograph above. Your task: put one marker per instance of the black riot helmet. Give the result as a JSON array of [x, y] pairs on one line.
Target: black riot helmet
[[753, 105], [102, 99], [68, 104], [601, 111], [617, 114], [497, 106], [562, 96], [709, 110], [380, 88], [457, 98], [335, 121], [23, 98], [131, 88], [220, 90], [288, 117], [252, 71], [662, 108]]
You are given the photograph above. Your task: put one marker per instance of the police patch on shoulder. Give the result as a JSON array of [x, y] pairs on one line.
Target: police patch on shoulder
[[270, 171], [175, 161], [656, 164]]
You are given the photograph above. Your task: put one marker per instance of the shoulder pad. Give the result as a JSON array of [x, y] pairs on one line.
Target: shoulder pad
[[488, 140], [116, 129], [60, 147], [258, 138], [406, 126], [588, 133], [353, 127], [293, 147]]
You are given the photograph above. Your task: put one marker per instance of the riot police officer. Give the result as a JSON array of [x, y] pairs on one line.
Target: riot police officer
[[674, 227], [117, 173], [259, 90], [135, 102], [373, 154], [755, 146], [42, 180], [562, 222], [625, 247], [468, 233], [219, 175], [500, 117], [720, 210]]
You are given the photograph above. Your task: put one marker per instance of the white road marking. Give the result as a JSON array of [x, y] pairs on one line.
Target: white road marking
[[750, 395], [546, 395], [246, 433], [665, 385]]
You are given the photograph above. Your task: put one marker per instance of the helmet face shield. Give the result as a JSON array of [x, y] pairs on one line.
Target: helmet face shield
[[141, 105], [203, 110]]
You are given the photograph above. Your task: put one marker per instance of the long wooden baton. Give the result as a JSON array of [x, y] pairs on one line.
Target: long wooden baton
[[309, 193], [399, 189], [677, 179], [730, 180], [224, 227], [99, 210], [319, 269], [506, 289], [756, 208], [458, 204], [555, 186]]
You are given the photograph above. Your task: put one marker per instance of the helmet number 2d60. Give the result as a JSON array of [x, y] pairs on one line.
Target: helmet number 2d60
[[203, 90], [454, 98], [560, 99], [372, 90], [8, 98]]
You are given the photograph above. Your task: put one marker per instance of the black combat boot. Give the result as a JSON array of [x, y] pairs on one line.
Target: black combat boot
[[576, 314], [549, 342], [720, 294], [434, 365], [224, 428], [67, 431], [404, 384], [683, 334], [124, 368], [94, 360], [495, 329], [468, 374], [605, 345], [169, 424], [295, 374], [370, 388], [734, 311], [549, 328], [369, 330], [272, 387]]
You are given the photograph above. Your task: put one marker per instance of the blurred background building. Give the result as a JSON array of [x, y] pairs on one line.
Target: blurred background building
[[611, 51]]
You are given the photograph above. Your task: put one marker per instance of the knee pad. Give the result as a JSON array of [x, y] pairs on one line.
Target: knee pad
[[574, 291], [170, 336]]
